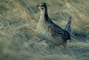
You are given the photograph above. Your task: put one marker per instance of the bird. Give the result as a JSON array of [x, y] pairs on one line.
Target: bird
[[54, 35]]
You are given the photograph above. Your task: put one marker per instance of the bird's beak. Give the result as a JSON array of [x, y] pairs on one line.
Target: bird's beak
[[70, 17], [37, 5]]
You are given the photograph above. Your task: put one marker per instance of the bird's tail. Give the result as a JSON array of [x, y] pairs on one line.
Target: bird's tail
[[68, 28], [68, 25]]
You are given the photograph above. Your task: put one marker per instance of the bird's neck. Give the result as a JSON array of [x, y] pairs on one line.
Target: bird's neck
[[44, 15]]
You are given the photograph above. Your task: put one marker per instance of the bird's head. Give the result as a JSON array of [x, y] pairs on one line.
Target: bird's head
[[42, 6]]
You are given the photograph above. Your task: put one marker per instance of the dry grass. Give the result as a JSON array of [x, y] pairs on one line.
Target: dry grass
[[18, 20]]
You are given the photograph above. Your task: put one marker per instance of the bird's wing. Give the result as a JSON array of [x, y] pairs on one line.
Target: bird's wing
[[58, 29], [58, 32]]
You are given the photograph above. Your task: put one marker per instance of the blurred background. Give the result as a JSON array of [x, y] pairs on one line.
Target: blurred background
[[18, 21]]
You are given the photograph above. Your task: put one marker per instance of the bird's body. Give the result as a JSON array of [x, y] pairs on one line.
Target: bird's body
[[54, 35]]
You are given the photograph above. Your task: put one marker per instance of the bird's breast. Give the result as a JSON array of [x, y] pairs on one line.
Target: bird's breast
[[41, 27], [42, 30]]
